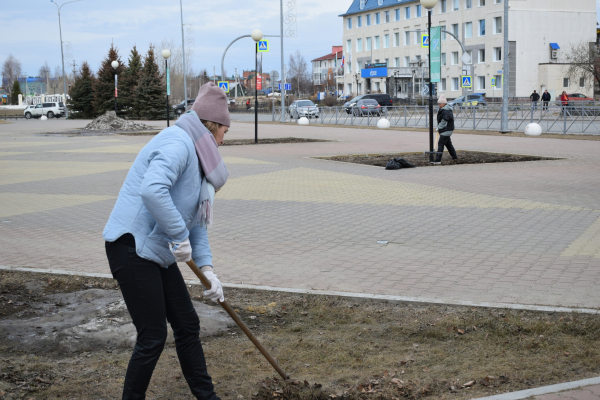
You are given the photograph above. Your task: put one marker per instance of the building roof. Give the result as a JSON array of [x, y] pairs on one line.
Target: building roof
[[554, 46], [331, 56], [373, 5]]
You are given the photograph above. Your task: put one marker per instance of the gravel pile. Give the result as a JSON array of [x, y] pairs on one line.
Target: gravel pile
[[110, 122]]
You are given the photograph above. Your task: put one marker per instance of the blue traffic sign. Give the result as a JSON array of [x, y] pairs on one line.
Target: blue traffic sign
[[288, 86], [466, 82], [263, 46], [224, 85]]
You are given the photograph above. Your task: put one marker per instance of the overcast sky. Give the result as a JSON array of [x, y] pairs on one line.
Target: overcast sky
[[30, 30]]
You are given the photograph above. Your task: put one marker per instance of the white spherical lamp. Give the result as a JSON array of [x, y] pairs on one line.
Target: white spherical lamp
[[533, 130], [166, 53], [429, 4], [114, 64], [303, 121], [44, 118], [256, 35], [383, 123]]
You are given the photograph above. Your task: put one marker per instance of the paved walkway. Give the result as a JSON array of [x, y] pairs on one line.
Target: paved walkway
[[525, 233], [587, 393]]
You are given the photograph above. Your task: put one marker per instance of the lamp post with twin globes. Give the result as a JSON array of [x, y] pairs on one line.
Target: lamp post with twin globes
[[256, 35], [429, 4], [166, 53]]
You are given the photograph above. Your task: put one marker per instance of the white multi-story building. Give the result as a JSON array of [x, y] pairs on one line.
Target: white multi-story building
[[389, 32]]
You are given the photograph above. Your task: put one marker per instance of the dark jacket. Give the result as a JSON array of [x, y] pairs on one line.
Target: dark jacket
[[546, 96], [445, 120], [534, 97]]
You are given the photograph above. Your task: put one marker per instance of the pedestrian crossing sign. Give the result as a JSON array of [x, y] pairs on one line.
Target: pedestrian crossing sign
[[425, 41], [224, 85], [493, 82], [466, 82], [263, 46]]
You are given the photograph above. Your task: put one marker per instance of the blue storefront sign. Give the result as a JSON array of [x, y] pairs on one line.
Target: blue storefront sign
[[374, 73]]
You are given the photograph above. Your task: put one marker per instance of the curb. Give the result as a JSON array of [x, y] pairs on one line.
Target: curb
[[560, 387], [349, 295]]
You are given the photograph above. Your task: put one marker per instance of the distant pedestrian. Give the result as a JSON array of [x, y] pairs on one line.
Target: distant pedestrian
[[248, 104], [546, 97], [445, 120], [564, 99], [535, 97]]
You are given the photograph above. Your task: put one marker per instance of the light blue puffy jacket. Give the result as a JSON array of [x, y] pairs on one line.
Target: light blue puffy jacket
[[159, 200]]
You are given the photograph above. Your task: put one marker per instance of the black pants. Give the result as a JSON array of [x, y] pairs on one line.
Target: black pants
[[155, 295], [445, 141], [545, 103]]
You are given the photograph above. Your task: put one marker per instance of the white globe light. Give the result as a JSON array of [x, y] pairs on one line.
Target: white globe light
[[44, 118], [303, 121], [429, 4], [256, 35], [114, 64], [533, 130], [383, 123], [166, 53]]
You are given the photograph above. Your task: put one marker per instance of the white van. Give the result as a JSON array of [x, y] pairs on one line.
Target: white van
[[50, 110]]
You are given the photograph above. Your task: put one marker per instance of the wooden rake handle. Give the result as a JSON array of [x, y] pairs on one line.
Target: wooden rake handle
[[238, 321]]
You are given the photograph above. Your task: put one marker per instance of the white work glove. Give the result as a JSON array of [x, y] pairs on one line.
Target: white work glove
[[215, 293], [182, 251]]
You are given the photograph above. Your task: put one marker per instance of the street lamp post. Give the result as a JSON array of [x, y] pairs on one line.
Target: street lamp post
[[429, 4], [256, 36], [166, 54], [61, 51], [115, 65]]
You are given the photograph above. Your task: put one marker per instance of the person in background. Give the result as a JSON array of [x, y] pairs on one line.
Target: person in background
[[445, 120], [534, 99], [546, 97], [564, 99]]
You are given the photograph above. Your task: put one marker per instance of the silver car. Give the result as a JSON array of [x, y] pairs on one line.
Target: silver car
[[50, 110], [304, 108]]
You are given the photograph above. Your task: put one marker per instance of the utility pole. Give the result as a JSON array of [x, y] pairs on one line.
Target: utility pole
[[183, 51], [236, 85], [282, 65], [505, 75]]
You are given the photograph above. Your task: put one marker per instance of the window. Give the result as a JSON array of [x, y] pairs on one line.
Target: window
[[468, 4], [443, 6], [349, 26], [406, 12], [359, 88], [349, 46], [358, 65], [418, 10], [397, 12], [362, 4], [397, 62], [358, 44], [406, 61], [349, 85], [443, 85], [481, 57], [377, 20], [368, 48], [418, 58], [443, 33], [368, 19], [565, 82], [455, 30], [468, 30], [497, 25], [396, 39], [406, 38], [378, 86], [349, 67], [380, 2], [481, 3], [481, 82], [386, 41], [455, 5], [418, 36], [482, 27], [455, 84], [497, 53], [581, 82], [498, 82], [497, 1], [387, 62], [443, 59], [376, 42], [470, 53], [454, 60], [358, 21], [387, 16]]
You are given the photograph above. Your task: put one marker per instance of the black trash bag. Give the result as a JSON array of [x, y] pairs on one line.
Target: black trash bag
[[392, 165], [403, 163]]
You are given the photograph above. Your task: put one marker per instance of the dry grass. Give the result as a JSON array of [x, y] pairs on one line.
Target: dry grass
[[355, 350], [4, 122]]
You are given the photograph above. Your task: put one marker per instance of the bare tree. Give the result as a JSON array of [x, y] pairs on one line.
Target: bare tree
[[582, 61], [176, 67], [299, 75], [11, 71], [44, 71]]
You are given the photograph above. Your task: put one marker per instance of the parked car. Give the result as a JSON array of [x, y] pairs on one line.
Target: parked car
[[368, 107], [384, 100], [303, 108], [50, 110], [576, 99], [477, 99], [179, 109]]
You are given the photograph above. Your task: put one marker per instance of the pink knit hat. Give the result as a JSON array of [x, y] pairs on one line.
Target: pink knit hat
[[211, 104], [442, 99]]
